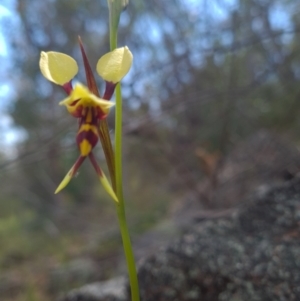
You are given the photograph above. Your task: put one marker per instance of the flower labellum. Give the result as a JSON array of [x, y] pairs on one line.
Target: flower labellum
[[81, 103]]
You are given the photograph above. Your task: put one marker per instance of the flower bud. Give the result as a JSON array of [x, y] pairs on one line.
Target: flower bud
[[119, 4]]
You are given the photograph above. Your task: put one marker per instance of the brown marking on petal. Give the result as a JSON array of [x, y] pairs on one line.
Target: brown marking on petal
[[103, 116], [74, 102], [87, 138], [83, 111], [99, 113], [79, 110], [88, 115], [93, 112], [95, 164], [76, 166], [75, 111]]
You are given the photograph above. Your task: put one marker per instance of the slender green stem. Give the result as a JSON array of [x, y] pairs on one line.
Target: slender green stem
[[120, 207], [115, 10], [113, 33], [134, 285], [135, 296]]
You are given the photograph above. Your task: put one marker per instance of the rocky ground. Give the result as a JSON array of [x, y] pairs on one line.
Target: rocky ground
[[253, 254]]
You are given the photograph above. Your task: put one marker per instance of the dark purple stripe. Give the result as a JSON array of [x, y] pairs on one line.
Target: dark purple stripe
[[89, 135]]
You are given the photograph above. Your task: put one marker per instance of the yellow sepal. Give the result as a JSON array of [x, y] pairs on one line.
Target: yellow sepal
[[65, 181], [114, 65], [58, 67], [105, 183]]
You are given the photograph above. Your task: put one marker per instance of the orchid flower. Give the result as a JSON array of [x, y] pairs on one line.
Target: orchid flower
[[84, 103]]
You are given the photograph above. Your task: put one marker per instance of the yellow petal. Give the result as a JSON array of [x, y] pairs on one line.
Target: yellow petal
[[114, 65], [58, 67]]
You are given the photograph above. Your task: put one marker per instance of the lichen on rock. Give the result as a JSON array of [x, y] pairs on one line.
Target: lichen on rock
[[251, 255]]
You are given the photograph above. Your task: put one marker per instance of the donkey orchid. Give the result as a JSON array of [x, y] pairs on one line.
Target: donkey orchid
[[84, 102]]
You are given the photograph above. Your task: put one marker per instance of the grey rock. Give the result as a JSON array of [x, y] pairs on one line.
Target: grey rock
[[253, 254], [111, 290], [76, 272]]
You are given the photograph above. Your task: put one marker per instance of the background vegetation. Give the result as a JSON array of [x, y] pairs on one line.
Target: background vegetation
[[207, 74]]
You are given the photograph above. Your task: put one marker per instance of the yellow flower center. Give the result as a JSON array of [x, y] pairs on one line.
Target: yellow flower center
[[81, 102]]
